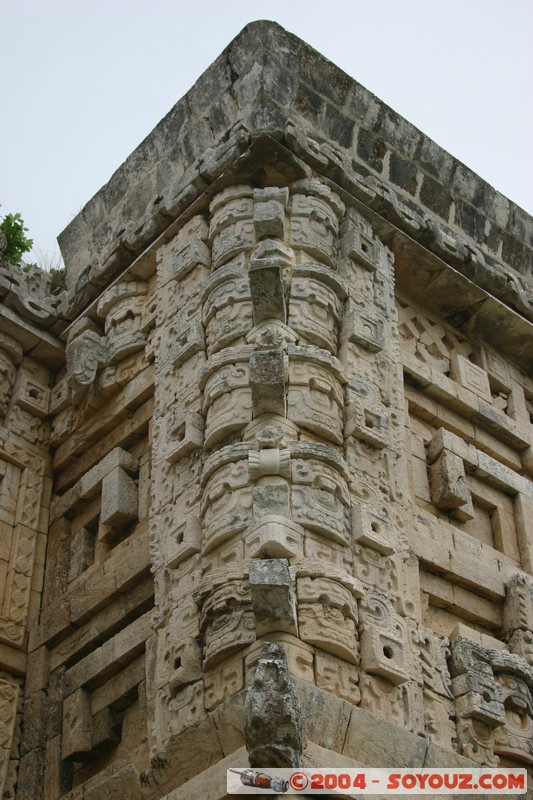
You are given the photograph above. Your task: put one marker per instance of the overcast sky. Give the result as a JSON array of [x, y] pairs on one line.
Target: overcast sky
[[84, 81]]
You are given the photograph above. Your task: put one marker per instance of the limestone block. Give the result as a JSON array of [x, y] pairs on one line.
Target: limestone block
[[439, 713], [119, 498], [314, 224], [475, 740], [363, 327], [269, 218], [267, 289], [85, 355], [273, 598], [325, 716], [105, 730], [315, 305], [227, 621], [384, 642], [9, 694], [232, 228], [10, 357], [124, 782], [521, 643], [376, 741], [475, 565], [228, 553], [384, 654], [514, 740], [518, 605], [337, 676], [317, 549], [372, 530], [300, 657], [122, 307], [31, 393], [320, 499], [117, 458], [470, 376], [495, 367], [273, 536], [182, 540], [448, 487], [327, 617], [188, 341], [357, 241], [81, 552], [399, 704], [186, 436], [226, 506], [405, 590], [477, 695], [267, 382], [228, 718], [193, 750], [315, 397], [174, 652], [523, 508], [227, 307], [117, 691], [186, 707], [224, 681], [369, 424], [431, 652], [272, 713], [179, 659], [269, 461], [228, 396], [77, 727], [441, 756], [270, 499], [192, 254]]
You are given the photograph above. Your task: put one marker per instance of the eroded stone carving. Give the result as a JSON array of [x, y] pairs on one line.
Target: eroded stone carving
[[272, 713], [10, 357]]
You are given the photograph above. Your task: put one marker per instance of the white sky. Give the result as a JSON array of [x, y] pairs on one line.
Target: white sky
[[83, 82]]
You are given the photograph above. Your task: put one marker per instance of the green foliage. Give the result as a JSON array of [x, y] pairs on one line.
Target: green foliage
[[17, 243]]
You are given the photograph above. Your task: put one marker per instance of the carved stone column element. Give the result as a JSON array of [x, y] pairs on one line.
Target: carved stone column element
[[122, 307], [518, 616], [514, 739], [10, 358], [315, 215], [478, 700], [86, 353], [232, 228], [272, 713]]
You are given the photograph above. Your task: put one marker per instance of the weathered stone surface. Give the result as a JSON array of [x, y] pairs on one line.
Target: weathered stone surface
[[273, 597], [272, 713]]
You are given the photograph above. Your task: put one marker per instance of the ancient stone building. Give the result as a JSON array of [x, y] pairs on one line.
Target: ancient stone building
[[285, 398]]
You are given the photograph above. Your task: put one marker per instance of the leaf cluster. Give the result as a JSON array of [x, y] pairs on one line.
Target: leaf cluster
[[17, 243]]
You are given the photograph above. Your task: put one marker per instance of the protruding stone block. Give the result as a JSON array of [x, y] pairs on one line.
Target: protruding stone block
[[81, 552], [267, 381], [274, 537], [272, 713], [266, 287], [119, 498], [273, 598], [77, 733], [448, 487], [470, 376]]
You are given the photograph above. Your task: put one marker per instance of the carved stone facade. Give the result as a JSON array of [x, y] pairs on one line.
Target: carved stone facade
[[266, 472]]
